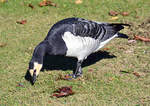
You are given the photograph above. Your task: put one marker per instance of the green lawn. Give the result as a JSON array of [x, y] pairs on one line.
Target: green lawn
[[102, 82]]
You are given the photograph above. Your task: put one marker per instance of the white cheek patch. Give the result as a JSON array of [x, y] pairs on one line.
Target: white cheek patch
[[31, 72], [37, 67]]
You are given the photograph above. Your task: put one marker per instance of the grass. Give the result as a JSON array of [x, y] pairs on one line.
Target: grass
[[104, 85]]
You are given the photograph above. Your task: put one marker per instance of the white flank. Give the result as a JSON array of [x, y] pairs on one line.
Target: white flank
[[78, 46], [81, 47]]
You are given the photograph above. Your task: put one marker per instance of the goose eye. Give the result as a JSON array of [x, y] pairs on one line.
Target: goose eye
[[34, 73]]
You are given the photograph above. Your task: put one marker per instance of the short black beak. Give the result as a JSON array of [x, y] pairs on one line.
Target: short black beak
[[34, 77], [30, 78]]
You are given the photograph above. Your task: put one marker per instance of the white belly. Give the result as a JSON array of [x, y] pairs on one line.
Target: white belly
[[79, 47]]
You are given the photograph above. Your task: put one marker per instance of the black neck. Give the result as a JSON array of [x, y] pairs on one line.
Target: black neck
[[40, 52]]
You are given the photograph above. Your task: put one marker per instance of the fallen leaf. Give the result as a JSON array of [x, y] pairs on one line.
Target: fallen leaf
[[106, 48], [3, 44], [22, 22], [124, 13], [20, 85], [49, 101], [63, 92], [114, 18], [90, 70], [113, 13], [31, 6], [136, 74], [136, 37], [78, 1], [47, 3]]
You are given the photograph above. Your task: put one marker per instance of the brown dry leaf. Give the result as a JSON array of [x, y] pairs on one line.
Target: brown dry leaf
[[22, 22], [141, 38], [31, 6], [3, 44], [113, 13], [114, 18], [124, 13], [49, 101], [106, 48], [78, 1], [63, 92], [46, 3], [90, 70], [136, 74]]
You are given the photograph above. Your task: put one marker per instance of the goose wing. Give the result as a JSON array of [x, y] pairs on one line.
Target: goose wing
[[96, 30]]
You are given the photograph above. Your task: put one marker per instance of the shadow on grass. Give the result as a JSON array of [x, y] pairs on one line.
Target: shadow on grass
[[52, 62]]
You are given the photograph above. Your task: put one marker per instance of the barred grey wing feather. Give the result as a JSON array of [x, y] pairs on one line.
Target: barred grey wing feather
[[88, 29], [96, 30]]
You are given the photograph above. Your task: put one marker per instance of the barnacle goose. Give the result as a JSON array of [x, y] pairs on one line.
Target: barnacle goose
[[74, 37]]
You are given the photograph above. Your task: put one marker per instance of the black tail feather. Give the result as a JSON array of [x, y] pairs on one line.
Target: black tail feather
[[118, 26], [121, 35]]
